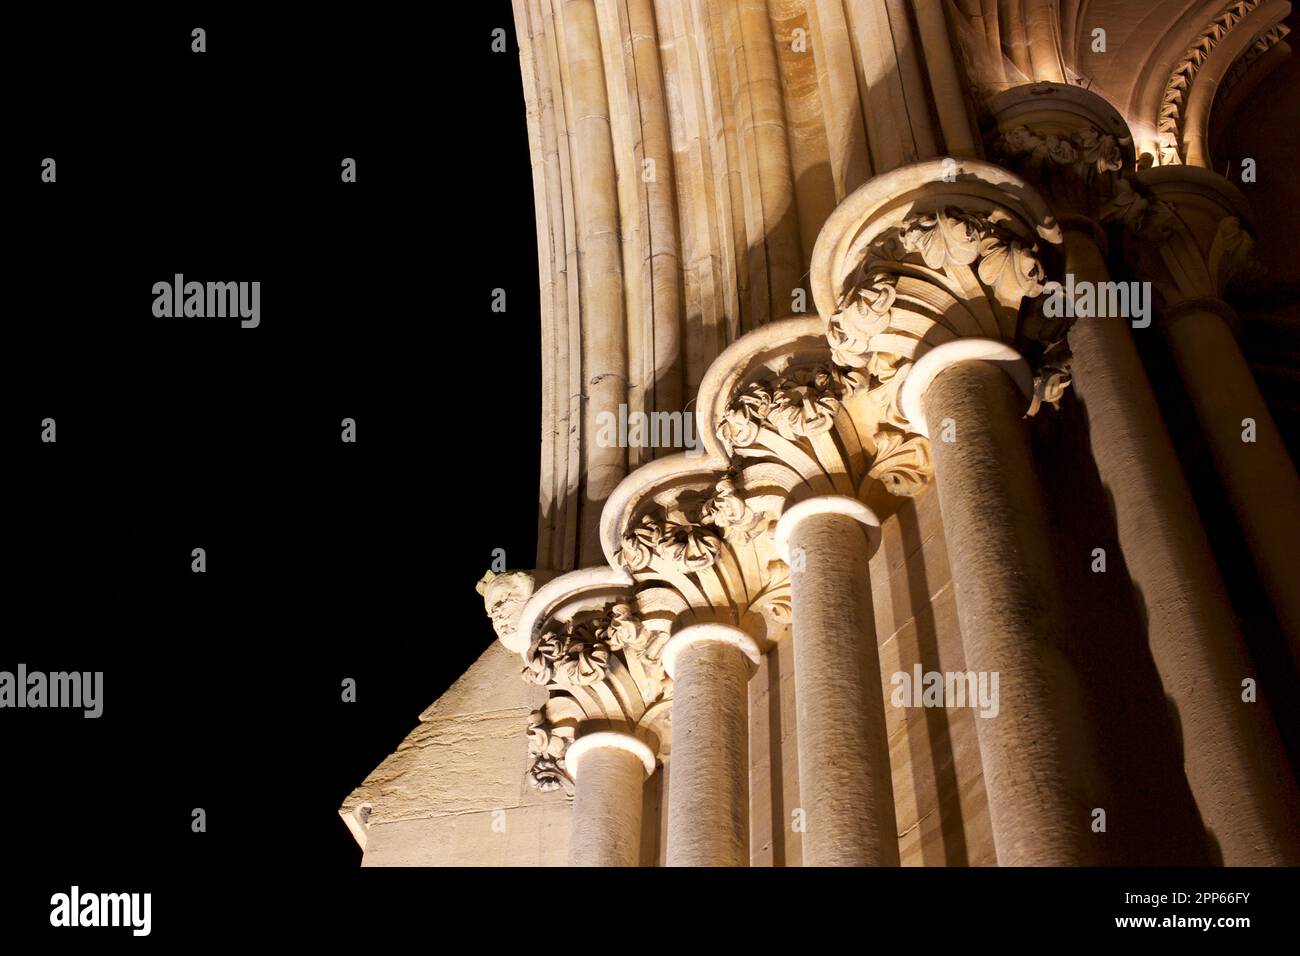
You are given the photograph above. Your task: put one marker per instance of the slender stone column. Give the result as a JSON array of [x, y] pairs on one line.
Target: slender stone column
[[1259, 477], [708, 777], [608, 769], [1195, 246], [1231, 751], [969, 396], [845, 788]]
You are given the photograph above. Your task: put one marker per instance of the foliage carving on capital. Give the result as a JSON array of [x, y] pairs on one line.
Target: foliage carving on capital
[[973, 263], [1208, 263], [728, 511], [1084, 152], [689, 545], [865, 315], [872, 331], [1052, 378], [944, 238], [1140, 214], [602, 666], [902, 463], [575, 654], [688, 530], [800, 403]]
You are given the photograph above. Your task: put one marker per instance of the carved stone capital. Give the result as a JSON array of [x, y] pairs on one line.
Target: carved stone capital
[[944, 258], [1187, 231], [604, 670], [1069, 142], [799, 403], [684, 528], [580, 652]]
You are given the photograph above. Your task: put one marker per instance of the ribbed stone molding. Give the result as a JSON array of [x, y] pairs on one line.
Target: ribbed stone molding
[[708, 783], [609, 769], [845, 788], [1008, 603]]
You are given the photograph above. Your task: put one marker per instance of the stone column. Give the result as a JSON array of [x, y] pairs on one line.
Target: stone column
[[1259, 478], [1196, 243], [969, 396], [845, 788], [708, 777], [608, 769], [1231, 749]]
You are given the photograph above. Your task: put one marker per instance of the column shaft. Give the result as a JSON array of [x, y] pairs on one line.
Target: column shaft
[[606, 821], [1231, 753], [844, 778], [1008, 609], [1259, 478], [708, 777]]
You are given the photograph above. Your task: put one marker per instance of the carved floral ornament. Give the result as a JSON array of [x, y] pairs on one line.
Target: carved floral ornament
[[801, 403], [877, 336], [577, 654], [582, 653], [1085, 152], [688, 533]]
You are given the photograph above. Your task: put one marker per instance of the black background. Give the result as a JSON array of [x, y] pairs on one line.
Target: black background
[[325, 561]]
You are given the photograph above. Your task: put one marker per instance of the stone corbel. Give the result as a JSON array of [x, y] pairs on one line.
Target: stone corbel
[[504, 596]]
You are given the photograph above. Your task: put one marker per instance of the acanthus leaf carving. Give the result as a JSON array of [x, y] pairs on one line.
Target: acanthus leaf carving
[[576, 654], [879, 340], [745, 417], [902, 463], [1085, 152], [806, 402], [641, 544], [689, 544], [1145, 217], [946, 237], [1010, 268], [728, 511], [582, 652], [1052, 378], [801, 403], [866, 315]]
